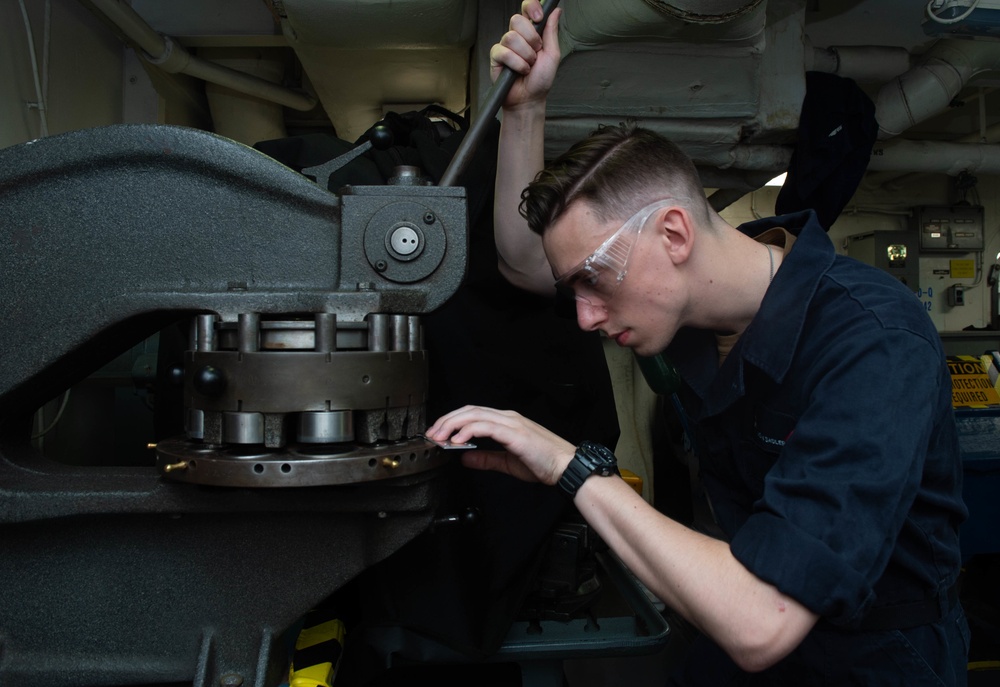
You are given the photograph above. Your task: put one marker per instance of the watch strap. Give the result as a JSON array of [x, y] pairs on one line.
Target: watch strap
[[590, 459]]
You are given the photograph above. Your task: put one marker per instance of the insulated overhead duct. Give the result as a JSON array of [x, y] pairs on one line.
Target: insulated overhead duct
[[705, 11], [590, 23], [626, 59], [716, 78]]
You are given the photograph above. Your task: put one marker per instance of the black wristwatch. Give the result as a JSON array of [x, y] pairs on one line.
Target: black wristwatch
[[590, 459]]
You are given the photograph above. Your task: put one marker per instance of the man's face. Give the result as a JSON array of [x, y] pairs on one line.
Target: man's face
[[638, 311]]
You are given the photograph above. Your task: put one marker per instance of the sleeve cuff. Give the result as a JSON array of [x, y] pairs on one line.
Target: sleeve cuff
[[802, 567]]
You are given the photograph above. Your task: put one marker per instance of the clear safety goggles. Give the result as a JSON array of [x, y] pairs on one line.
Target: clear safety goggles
[[595, 280]]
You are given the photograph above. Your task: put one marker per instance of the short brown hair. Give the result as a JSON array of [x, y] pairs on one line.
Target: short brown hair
[[618, 170]]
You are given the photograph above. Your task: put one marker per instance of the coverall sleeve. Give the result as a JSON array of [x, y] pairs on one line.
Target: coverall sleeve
[[838, 496]]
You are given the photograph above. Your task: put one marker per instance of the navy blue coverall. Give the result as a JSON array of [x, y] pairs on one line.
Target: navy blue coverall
[[829, 452]]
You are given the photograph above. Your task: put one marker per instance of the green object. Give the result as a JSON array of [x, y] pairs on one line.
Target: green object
[[661, 376]]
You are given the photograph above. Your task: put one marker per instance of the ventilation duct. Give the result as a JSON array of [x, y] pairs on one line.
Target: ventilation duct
[[929, 87]]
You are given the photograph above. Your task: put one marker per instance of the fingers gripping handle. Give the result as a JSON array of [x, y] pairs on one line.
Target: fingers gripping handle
[[491, 105]]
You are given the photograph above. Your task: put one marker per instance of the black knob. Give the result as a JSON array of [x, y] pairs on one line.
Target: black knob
[[208, 381], [381, 137], [468, 517]]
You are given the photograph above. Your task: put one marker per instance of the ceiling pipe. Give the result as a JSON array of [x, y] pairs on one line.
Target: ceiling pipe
[[937, 157], [863, 63], [892, 181], [247, 120], [749, 167], [171, 57], [929, 87], [899, 155], [914, 95]]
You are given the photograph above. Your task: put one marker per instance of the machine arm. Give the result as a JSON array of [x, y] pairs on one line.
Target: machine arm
[[149, 223]]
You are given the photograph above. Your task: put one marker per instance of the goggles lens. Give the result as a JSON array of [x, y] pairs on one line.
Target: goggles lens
[[599, 276]]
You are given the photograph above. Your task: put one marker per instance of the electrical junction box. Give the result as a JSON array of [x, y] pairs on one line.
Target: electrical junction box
[[896, 252], [956, 295], [949, 229]]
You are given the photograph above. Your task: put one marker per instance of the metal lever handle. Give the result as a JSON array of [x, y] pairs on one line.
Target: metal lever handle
[[491, 105], [380, 138], [469, 516]]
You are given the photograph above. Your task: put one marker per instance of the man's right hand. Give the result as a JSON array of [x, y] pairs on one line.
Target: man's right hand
[[535, 57], [520, 257]]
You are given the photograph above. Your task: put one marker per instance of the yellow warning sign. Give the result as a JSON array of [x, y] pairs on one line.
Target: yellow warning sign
[[970, 383], [962, 269]]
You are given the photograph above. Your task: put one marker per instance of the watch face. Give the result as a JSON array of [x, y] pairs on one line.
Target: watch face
[[590, 459], [599, 454], [601, 457]]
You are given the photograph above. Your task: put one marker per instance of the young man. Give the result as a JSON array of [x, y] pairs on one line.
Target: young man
[[816, 385]]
